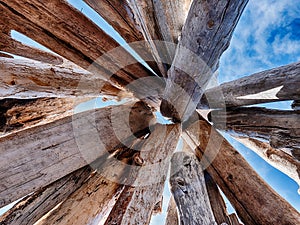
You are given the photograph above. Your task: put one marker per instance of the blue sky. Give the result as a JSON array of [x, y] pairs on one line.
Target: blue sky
[[267, 36]]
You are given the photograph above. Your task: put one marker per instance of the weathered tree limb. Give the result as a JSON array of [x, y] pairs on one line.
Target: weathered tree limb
[[71, 35], [94, 199], [8, 44], [36, 205], [156, 23], [172, 214], [28, 79], [234, 220], [239, 182], [280, 127], [278, 84], [137, 202], [277, 158], [189, 190], [118, 14], [205, 36], [38, 156], [17, 114], [217, 203]]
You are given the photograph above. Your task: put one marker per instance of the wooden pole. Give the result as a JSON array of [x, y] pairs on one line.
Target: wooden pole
[[239, 182], [189, 190]]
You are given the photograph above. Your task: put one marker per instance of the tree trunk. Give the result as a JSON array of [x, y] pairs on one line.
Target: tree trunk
[[138, 200], [216, 200], [276, 158], [38, 156], [279, 84], [36, 205], [205, 36], [8, 44], [280, 127], [172, 214], [239, 182], [28, 79], [189, 190]]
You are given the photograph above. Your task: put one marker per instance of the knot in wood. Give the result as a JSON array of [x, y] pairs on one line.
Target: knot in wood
[[138, 160], [210, 24]]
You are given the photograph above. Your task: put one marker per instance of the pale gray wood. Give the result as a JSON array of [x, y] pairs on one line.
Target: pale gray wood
[[189, 190], [8, 44], [205, 36], [38, 156], [280, 127], [29, 79], [239, 182], [278, 84], [95, 198], [276, 158], [119, 15], [172, 214], [216, 200], [160, 23], [138, 200], [39, 203]]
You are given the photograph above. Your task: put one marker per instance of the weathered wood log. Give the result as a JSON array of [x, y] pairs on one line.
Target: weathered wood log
[[217, 203], [276, 158], [205, 36], [234, 220], [189, 190], [66, 31], [28, 79], [160, 20], [138, 200], [8, 44], [93, 200], [17, 114], [239, 182], [30, 209], [172, 214], [118, 14], [280, 127], [278, 84], [38, 156], [2, 54]]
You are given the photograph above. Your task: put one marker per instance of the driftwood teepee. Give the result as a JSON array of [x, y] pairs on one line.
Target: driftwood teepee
[[54, 158]]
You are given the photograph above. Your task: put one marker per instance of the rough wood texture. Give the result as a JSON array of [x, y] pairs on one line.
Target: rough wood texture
[[36, 205], [172, 214], [17, 114], [28, 79], [280, 127], [118, 14], [93, 200], [277, 158], [239, 182], [37, 156], [66, 31], [234, 220], [216, 200], [160, 23], [137, 202], [8, 44], [189, 190], [278, 84], [205, 36]]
